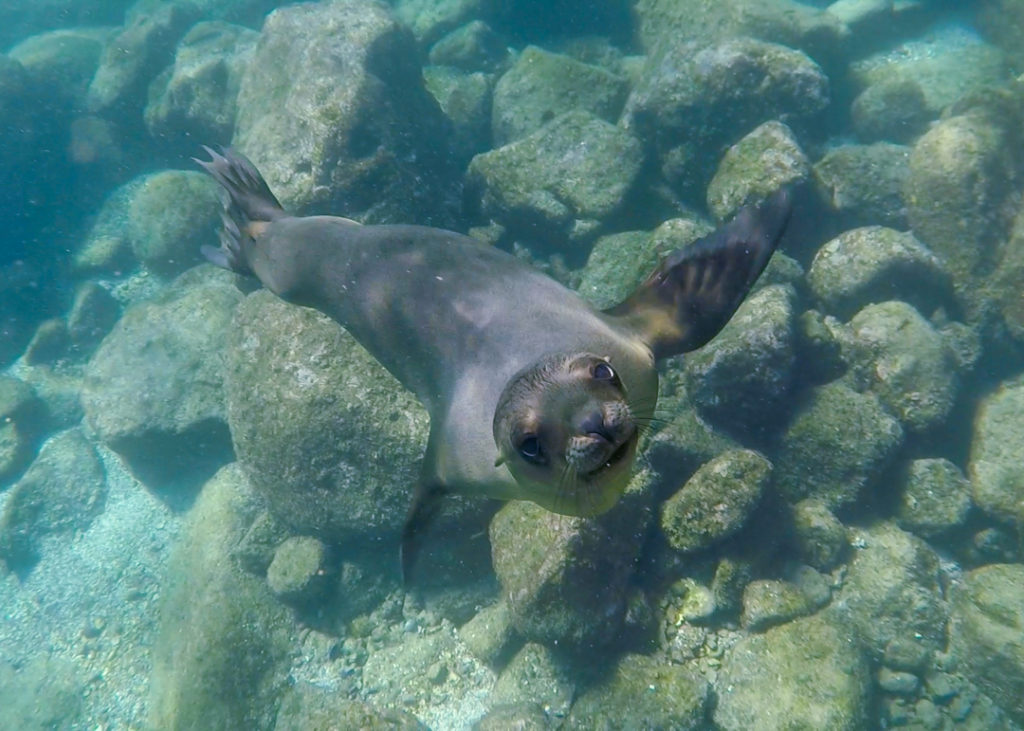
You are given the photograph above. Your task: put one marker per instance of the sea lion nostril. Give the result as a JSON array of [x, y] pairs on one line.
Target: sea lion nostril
[[594, 424]]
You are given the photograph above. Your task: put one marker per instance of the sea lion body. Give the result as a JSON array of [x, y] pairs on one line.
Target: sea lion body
[[532, 393], [452, 319]]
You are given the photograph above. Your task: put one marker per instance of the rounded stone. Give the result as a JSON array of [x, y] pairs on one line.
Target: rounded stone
[[298, 572], [935, 497], [995, 468]]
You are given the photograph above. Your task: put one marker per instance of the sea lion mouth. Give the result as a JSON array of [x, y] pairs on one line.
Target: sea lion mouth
[[618, 454]]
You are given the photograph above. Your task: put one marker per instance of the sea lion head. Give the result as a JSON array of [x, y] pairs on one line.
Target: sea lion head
[[566, 432]]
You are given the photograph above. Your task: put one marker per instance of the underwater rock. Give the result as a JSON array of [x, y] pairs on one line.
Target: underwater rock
[[891, 110], [802, 674], [1002, 23], [759, 164], [465, 98], [93, 314], [741, 379], [23, 419], [874, 264], [988, 624], [471, 47], [521, 716], [863, 185], [431, 675], [716, 502], [935, 497], [893, 590], [536, 675], [797, 24], [44, 693], [559, 184], [224, 644], [429, 20], [819, 344], [565, 578], [107, 247], [770, 602], [489, 634], [904, 361], [960, 178], [685, 443], [690, 101], [946, 62], [644, 692], [62, 61], [995, 469], [50, 343], [541, 85], [308, 707], [839, 442], [1005, 283], [819, 537], [299, 573], [333, 109], [335, 409], [134, 55], [61, 492], [169, 211], [153, 391], [194, 100], [619, 262]]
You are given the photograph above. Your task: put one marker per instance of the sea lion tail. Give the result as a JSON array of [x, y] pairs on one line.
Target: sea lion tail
[[248, 202]]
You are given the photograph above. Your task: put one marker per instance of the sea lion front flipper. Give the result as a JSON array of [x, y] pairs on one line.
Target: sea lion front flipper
[[695, 290], [426, 502]]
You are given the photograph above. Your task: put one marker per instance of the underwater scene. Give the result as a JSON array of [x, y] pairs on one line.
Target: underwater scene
[[511, 364]]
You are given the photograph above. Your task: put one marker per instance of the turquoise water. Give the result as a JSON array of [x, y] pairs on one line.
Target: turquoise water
[[203, 487]]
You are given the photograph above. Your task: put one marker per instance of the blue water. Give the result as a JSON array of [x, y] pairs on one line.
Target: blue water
[[203, 488]]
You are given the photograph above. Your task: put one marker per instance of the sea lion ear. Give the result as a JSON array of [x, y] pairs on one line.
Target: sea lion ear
[[694, 291]]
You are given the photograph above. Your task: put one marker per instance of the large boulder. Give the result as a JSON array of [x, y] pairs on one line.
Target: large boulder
[[154, 390], [803, 674], [996, 471], [690, 101], [62, 61], [559, 184], [988, 633], [863, 184], [333, 110], [334, 410], [23, 419]]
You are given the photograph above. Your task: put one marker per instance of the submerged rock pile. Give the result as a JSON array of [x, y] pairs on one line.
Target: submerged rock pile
[[825, 529]]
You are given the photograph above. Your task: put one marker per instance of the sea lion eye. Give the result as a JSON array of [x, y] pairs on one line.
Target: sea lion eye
[[529, 448], [604, 372]]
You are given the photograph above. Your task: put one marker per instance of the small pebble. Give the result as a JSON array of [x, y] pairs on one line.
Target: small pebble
[[898, 682]]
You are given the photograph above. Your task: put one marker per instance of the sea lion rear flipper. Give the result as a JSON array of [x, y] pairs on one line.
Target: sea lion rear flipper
[[249, 202], [694, 291], [426, 502]]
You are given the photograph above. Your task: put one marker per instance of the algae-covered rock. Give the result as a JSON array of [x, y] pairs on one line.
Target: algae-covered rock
[[153, 391], [224, 647], [521, 716], [471, 47], [819, 537], [619, 262], [541, 85], [873, 264], [22, 421], [893, 590], [50, 343], [935, 497], [769, 602], [891, 110], [307, 707], [536, 675], [43, 694], [61, 492], [903, 360], [194, 99], [995, 469], [643, 692], [299, 571], [960, 177], [489, 634], [686, 443], [742, 378], [335, 409], [716, 502], [838, 443], [169, 212], [565, 579], [137, 53], [690, 100], [465, 98], [333, 110], [431, 19], [803, 674], [863, 184], [759, 164], [988, 633], [560, 183], [63, 61], [93, 314]]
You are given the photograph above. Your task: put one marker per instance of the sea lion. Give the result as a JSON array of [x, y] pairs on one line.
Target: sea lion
[[532, 393]]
